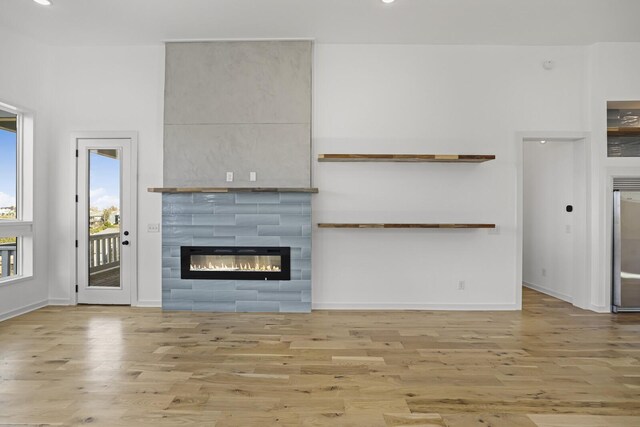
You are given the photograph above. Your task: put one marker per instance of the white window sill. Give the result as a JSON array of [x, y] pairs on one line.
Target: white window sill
[[13, 228], [14, 279]]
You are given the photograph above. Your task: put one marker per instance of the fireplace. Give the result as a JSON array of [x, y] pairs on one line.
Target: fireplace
[[260, 221], [235, 263]]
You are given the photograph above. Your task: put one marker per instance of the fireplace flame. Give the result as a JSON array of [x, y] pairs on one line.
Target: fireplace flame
[[234, 267]]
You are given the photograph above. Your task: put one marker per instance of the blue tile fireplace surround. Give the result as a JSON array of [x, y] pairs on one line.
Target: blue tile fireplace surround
[[237, 219]]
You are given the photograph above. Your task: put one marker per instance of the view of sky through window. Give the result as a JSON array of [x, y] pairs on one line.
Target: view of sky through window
[[8, 177], [104, 179]]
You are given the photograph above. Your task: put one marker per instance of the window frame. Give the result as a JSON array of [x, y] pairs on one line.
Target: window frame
[[22, 226]]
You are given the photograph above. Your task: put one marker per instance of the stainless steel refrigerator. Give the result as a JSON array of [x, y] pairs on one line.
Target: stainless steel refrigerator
[[626, 251]]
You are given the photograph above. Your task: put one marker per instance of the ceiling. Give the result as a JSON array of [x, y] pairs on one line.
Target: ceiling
[[502, 22]]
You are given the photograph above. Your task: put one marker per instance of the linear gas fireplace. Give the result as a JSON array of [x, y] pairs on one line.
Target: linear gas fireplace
[[235, 263]]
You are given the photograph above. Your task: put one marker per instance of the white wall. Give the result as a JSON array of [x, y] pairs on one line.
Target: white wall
[[107, 89], [429, 99], [547, 243], [613, 76], [367, 98], [23, 73]]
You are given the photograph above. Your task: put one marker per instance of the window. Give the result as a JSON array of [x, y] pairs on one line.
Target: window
[[16, 233]]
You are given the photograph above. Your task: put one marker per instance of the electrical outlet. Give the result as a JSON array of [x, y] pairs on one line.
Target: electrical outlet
[[153, 228], [495, 230], [252, 176], [544, 272], [461, 285], [229, 176]]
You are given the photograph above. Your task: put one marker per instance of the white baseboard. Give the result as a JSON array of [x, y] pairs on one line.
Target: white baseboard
[[548, 291], [407, 306], [145, 303], [23, 310], [149, 303], [60, 301]]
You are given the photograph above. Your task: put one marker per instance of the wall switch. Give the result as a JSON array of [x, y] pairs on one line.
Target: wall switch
[[229, 176], [567, 229], [461, 285], [252, 176], [153, 228]]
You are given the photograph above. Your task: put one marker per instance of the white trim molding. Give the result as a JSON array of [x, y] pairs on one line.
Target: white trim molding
[[149, 304], [600, 309], [61, 301], [23, 310], [410, 306], [9, 228]]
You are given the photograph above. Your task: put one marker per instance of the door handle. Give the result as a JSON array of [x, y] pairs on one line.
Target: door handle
[[126, 242]]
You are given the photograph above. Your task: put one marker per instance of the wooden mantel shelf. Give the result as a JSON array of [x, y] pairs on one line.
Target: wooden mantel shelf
[[416, 158], [230, 190], [402, 225]]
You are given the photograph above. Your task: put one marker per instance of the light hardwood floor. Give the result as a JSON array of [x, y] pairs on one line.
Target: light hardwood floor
[[550, 365]]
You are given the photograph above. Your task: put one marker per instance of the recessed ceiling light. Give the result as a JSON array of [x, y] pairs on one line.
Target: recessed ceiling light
[[543, 141], [44, 2], [388, 1]]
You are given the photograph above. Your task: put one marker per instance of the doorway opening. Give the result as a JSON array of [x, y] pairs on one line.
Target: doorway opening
[[553, 217]]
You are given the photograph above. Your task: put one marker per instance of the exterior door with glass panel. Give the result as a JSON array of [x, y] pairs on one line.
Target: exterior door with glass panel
[[106, 240]]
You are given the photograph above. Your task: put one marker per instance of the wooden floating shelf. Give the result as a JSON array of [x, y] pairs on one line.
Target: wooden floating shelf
[[623, 131], [400, 225], [415, 158], [230, 190]]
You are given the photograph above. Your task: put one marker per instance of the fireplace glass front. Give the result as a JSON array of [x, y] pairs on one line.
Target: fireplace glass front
[[235, 263]]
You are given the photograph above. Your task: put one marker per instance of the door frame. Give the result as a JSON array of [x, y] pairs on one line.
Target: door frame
[[581, 292], [133, 137]]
